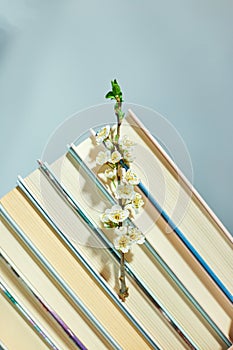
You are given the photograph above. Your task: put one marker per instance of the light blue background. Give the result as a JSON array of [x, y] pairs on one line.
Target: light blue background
[[175, 56]]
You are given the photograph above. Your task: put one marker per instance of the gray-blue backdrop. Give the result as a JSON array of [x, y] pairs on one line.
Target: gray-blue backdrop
[[175, 56]]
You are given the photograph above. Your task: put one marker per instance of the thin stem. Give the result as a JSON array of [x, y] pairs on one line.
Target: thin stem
[[123, 294], [113, 182], [117, 109], [118, 173]]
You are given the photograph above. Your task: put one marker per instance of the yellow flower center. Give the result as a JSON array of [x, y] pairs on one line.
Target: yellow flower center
[[136, 201], [115, 156], [102, 132], [133, 236], [123, 241], [117, 216]]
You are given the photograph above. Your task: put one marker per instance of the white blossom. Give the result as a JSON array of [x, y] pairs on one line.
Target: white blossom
[[136, 235], [125, 191], [122, 230], [108, 144], [110, 173], [102, 157], [104, 217], [137, 201], [115, 157], [131, 177], [126, 142], [105, 220], [102, 134], [122, 243], [116, 214], [128, 155]]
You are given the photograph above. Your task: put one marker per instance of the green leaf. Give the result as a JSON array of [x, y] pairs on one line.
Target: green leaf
[[116, 92], [116, 88], [113, 82], [109, 95]]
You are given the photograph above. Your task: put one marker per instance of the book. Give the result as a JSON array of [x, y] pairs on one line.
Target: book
[[173, 302]]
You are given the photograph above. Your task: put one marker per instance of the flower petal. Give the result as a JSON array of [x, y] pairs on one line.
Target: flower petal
[[122, 230], [122, 243], [125, 191], [102, 134]]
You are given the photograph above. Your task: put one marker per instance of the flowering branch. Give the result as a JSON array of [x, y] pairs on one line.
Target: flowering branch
[[118, 149]]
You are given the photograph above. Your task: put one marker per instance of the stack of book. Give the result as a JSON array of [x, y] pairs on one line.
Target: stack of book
[[59, 271]]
